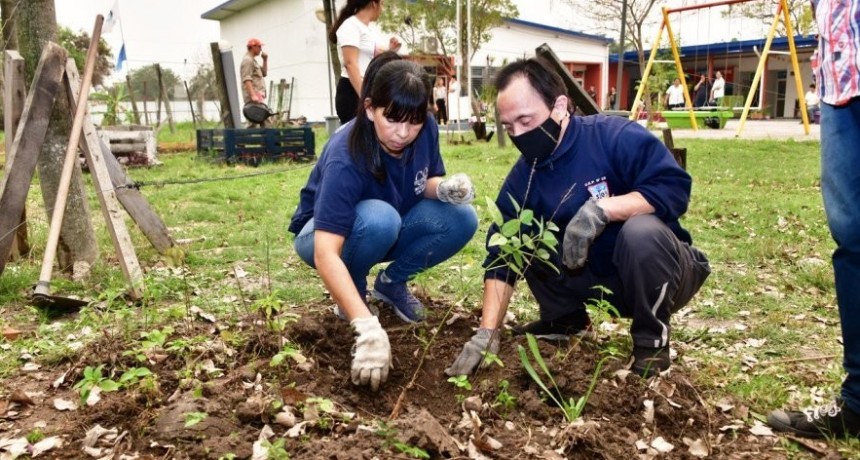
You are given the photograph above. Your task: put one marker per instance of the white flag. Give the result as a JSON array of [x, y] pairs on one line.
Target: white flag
[[112, 18]]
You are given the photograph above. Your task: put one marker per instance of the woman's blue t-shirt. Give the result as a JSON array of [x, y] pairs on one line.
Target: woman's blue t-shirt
[[337, 183]]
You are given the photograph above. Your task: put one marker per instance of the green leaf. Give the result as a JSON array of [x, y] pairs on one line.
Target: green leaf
[[497, 239], [527, 216], [511, 228], [193, 418], [109, 385], [514, 202], [494, 212], [542, 254], [551, 226], [528, 242], [527, 365]]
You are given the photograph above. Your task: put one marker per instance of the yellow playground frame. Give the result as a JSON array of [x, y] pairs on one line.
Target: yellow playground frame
[[781, 11]]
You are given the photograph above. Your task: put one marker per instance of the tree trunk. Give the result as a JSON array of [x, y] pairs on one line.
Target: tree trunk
[[10, 41], [36, 23], [329, 8]]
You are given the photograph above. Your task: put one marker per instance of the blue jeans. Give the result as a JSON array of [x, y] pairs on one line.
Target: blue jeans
[[430, 233], [840, 186]]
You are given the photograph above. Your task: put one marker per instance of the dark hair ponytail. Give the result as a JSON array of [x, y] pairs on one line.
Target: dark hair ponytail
[[398, 86], [350, 9]]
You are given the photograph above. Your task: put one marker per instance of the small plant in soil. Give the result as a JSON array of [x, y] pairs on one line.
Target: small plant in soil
[[193, 418], [275, 450], [93, 378], [522, 238], [572, 408], [492, 358], [390, 441], [504, 399], [287, 351]]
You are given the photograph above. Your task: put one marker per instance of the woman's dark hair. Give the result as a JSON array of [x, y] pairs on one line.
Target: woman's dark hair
[[400, 88], [543, 79], [351, 7]]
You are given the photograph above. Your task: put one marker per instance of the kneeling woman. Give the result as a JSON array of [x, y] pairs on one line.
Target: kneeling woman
[[377, 194]]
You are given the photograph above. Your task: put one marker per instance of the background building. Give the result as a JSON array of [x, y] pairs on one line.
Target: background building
[[296, 43]]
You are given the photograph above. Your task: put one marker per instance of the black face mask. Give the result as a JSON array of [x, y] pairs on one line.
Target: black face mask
[[539, 143]]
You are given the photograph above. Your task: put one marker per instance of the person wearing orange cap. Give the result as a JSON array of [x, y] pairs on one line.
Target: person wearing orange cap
[[252, 74]]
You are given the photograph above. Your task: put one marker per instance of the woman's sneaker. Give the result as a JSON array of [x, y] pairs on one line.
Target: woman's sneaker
[[406, 306], [833, 420]]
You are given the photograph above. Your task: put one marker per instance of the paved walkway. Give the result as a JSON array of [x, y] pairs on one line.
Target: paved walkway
[[753, 129]]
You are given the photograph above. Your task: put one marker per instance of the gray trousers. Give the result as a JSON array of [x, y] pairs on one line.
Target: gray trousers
[[657, 274]]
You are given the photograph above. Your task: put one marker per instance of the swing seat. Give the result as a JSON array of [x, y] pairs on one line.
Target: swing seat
[[681, 119]]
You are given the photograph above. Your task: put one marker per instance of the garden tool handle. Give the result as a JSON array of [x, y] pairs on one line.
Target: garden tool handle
[[70, 159]]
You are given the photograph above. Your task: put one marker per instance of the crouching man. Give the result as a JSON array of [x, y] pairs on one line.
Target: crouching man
[[617, 193]]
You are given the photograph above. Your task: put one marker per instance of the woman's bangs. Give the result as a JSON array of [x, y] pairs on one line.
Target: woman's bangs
[[408, 107]]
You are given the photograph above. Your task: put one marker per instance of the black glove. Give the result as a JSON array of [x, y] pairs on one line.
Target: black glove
[[581, 231], [471, 356]]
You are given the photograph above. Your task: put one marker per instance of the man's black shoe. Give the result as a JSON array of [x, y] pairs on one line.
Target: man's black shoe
[[559, 330], [648, 362], [833, 420]]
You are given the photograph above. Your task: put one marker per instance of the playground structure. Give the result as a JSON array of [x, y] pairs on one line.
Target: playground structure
[[720, 113]]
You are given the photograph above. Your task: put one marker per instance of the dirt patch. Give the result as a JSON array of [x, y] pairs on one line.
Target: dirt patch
[[216, 400]]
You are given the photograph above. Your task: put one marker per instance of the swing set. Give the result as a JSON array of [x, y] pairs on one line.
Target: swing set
[[781, 12]]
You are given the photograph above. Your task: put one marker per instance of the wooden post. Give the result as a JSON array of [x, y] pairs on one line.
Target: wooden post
[[28, 142], [190, 103], [221, 86], [162, 95], [158, 97], [133, 102], [145, 110], [14, 95], [282, 87], [680, 155], [114, 218]]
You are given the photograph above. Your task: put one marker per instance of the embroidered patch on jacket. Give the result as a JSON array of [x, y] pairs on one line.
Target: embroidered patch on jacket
[[421, 181], [598, 190]]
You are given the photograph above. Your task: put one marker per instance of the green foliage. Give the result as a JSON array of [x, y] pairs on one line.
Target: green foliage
[[390, 441], [148, 76], [522, 238], [492, 358], [193, 418], [269, 308], [93, 378], [77, 43], [572, 408], [35, 435], [276, 450], [461, 381], [504, 398], [601, 310], [439, 19], [288, 351]]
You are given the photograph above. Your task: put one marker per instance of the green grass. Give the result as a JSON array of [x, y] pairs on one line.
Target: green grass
[[756, 211]]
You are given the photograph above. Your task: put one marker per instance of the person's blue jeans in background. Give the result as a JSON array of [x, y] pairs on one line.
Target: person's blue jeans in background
[[430, 233], [840, 186]]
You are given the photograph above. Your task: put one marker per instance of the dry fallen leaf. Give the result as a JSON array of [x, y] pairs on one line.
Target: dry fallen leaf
[[760, 429], [698, 448], [661, 445], [45, 445], [64, 404]]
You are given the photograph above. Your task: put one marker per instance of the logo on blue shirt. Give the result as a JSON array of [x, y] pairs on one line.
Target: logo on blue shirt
[[420, 181]]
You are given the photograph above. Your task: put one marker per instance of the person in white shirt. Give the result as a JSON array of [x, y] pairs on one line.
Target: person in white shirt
[[351, 32], [718, 90], [440, 96], [675, 95], [812, 100]]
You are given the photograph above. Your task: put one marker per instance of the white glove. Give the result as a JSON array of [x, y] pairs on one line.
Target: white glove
[[457, 189], [371, 356]]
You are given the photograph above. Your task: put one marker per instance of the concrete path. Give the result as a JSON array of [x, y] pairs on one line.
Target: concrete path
[[753, 129]]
